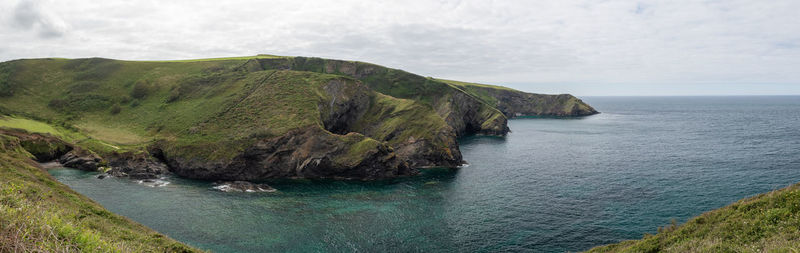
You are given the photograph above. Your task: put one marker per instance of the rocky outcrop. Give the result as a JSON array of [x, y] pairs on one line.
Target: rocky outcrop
[[80, 159], [136, 166], [47, 148], [421, 153], [464, 113], [347, 105], [467, 115], [43, 147], [310, 152], [515, 103]]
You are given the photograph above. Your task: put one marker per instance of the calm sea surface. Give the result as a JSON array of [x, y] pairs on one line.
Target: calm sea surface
[[552, 185]]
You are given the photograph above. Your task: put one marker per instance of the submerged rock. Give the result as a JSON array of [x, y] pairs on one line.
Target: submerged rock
[[242, 186]]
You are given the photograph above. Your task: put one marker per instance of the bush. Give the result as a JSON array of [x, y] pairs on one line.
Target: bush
[[83, 87], [140, 90], [5, 89], [116, 109], [57, 104]]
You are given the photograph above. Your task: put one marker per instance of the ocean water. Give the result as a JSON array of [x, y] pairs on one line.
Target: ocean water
[[552, 185]]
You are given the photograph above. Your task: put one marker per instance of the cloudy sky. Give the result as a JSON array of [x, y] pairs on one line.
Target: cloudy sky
[[587, 47]]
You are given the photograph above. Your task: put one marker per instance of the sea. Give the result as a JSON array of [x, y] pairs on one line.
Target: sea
[[551, 185]]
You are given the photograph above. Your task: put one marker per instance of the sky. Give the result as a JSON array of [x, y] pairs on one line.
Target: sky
[[582, 47]]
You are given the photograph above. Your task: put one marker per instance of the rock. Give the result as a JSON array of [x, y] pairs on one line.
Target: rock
[[309, 152], [242, 186], [44, 147], [136, 166], [80, 159], [465, 113], [517, 103], [103, 176]]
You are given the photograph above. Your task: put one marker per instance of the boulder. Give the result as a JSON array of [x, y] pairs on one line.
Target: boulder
[[136, 166], [80, 159]]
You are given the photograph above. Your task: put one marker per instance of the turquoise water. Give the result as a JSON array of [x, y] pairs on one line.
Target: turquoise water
[[552, 185]]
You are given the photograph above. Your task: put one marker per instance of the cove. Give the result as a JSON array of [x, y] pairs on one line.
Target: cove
[[552, 185]]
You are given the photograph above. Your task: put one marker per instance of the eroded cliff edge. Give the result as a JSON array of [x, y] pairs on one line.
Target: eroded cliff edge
[[262, 117]]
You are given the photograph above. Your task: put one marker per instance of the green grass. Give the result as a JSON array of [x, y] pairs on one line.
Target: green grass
[[71, 135], [260, 56], [468, 84], [39, 214], [29, 125], [768, 222], [395, 120]]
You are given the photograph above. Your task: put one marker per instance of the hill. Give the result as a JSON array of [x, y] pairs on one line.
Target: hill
[[253, 118], [39, 214], [765, 223]]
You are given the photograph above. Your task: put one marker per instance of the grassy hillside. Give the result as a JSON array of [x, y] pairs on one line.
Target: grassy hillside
[[768, 222], [208, 113], [129, 104], [39, 214]]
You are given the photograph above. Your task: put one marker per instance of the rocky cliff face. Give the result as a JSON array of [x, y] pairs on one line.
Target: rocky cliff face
[[46, 148], [363, 135], [464, 113], [516, 103], [302, 153]]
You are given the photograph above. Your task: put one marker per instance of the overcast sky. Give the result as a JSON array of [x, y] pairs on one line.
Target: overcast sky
[[588, 47]]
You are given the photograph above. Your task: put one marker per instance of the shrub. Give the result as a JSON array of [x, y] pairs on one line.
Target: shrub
[[5, 89], [57, 104], [116, 109], [140, 90]]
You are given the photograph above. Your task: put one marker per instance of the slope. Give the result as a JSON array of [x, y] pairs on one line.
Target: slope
[[768, 222]]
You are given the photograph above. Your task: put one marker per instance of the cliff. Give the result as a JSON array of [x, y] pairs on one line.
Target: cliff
[[513, 103], [254, 118]]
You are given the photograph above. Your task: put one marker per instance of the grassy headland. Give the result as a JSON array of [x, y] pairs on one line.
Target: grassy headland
[[236, 118]]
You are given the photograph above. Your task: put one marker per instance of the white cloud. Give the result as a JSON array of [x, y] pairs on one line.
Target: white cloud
[[571, 43], [30, 16]]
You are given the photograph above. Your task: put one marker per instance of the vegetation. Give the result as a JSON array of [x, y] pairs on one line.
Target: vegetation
[[477, 90], [189, 106], [39, 214], [511, 101], [768, 222], [209, 109], [260, 56]]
